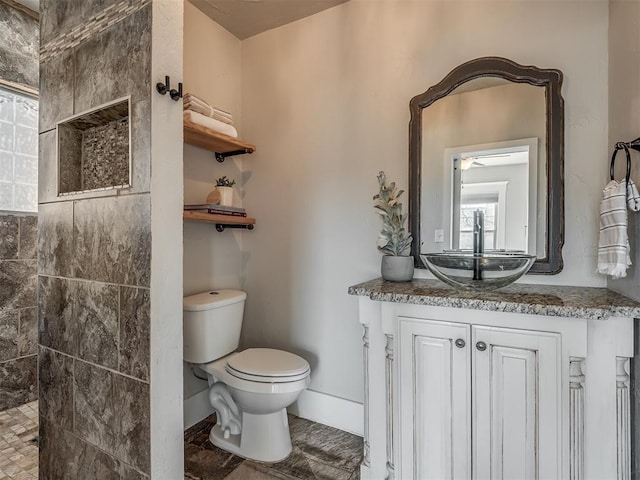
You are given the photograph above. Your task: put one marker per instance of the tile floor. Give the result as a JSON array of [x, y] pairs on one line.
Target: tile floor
[[19, 442], [319, 452]]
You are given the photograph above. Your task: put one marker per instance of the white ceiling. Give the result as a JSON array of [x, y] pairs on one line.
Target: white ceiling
[[245, 18]]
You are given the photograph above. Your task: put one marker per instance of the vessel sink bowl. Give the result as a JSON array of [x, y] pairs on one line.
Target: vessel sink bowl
[[478, 271]]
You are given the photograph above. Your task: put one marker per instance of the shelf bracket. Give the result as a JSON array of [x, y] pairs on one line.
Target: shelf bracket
[[220, 227], [221, 156]]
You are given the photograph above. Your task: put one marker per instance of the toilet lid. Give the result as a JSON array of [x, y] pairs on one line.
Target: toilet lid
[[267, 363]]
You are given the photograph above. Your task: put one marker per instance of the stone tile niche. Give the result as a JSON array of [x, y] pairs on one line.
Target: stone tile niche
[[94, 150]]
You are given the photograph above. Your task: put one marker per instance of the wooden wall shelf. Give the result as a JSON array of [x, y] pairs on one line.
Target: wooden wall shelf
[[223, 145], [221, 221]]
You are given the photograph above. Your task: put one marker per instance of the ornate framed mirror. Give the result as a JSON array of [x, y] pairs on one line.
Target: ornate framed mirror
[[489, 136]]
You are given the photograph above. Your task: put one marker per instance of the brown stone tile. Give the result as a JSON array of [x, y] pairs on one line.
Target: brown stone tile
[[56, 388], [56, 88], [198, 434], [112, 413], [95, 311], [319, 452], [298, 466], [64, 456], [17, 284], [116, 63], [113, 239], [55, 239], [9, 321], [135, 321], [56, 325], [28, 237], [246, 471], [9, 228], [28, 332], [59, 16], [18, 382], [208, 463], [19, 48], [326, 444]]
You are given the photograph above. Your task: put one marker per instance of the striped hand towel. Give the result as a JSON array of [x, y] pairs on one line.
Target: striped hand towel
[[613, 246], [633, 198]]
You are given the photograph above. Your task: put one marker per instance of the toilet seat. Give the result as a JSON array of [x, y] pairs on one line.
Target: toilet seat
[[267, 365]]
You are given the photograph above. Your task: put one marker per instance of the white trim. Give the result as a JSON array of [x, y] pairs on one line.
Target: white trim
[[318, 407], [336, 412], [196, 408]]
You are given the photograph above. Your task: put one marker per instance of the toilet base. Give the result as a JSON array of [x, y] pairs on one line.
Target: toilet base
[[265, 438]]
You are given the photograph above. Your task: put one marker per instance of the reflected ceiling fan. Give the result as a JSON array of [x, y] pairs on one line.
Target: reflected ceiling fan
[[468, 162]]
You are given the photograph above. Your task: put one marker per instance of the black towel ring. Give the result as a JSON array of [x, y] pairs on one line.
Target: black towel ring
[[621, 146]]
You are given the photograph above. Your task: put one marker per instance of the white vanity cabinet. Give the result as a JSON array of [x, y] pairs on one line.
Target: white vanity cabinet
[[525, 385], [478, 399]]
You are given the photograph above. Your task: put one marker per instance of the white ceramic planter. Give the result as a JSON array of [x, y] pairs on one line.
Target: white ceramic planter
[[397, 268], [226, 196]]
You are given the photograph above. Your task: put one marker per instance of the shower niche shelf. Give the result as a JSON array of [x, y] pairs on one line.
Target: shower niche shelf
[[94, 149], [223, 145], [221, 221]]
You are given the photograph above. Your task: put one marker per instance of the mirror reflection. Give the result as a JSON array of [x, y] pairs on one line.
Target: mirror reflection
[[495, 182], [484, 146]]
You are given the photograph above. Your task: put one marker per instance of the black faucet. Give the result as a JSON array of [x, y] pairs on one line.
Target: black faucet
[[478, 243]]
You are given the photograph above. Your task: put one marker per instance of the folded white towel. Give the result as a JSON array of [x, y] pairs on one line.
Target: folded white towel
[[211, 123], [613, 245], [208, 111], [190, 98]]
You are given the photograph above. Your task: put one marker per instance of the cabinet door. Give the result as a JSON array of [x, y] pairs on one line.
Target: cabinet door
[[435, 400], [516, 404]]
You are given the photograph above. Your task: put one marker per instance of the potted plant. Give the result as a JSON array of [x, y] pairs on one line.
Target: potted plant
[[223, 193], [394, 240]]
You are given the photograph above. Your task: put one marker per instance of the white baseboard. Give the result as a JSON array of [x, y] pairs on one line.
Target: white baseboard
[[196, 408], [336, 412], [315, 406]]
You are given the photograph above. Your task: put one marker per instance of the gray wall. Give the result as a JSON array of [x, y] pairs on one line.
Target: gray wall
[[94, 251], [18, 326], [18, 331]]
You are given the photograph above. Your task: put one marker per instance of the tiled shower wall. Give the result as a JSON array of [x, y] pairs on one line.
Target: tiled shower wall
[[18, 325], [18, 328], [94, 251], [19, 46]]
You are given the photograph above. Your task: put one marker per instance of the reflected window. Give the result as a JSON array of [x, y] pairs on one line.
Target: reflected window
[[466, 224], [18, 152]]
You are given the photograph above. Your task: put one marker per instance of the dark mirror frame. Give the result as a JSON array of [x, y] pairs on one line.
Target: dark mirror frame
[[551, 80]]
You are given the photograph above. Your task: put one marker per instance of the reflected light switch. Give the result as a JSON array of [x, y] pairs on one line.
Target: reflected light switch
[[438, 236]]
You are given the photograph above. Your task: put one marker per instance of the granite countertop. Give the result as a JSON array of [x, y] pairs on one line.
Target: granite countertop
[[552, 300]]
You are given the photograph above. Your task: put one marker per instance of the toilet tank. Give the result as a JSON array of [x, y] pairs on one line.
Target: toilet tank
[[211, 324]]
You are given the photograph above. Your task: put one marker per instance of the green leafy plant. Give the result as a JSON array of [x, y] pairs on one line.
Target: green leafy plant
[[393, 239], [225, 182]]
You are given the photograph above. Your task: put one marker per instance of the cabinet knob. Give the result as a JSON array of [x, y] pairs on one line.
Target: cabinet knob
[[481, 346], [460, 343]]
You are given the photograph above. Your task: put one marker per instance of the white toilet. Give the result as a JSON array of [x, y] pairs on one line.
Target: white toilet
[[249, 390]]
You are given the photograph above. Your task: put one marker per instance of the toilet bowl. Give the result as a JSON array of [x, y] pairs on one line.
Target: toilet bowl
[[261, 396], [249, 390]]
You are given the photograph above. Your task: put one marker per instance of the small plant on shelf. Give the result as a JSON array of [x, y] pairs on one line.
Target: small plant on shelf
[[225, 182]]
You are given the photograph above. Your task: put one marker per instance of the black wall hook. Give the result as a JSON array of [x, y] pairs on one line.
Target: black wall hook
[[164, 88], [176, 94]]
